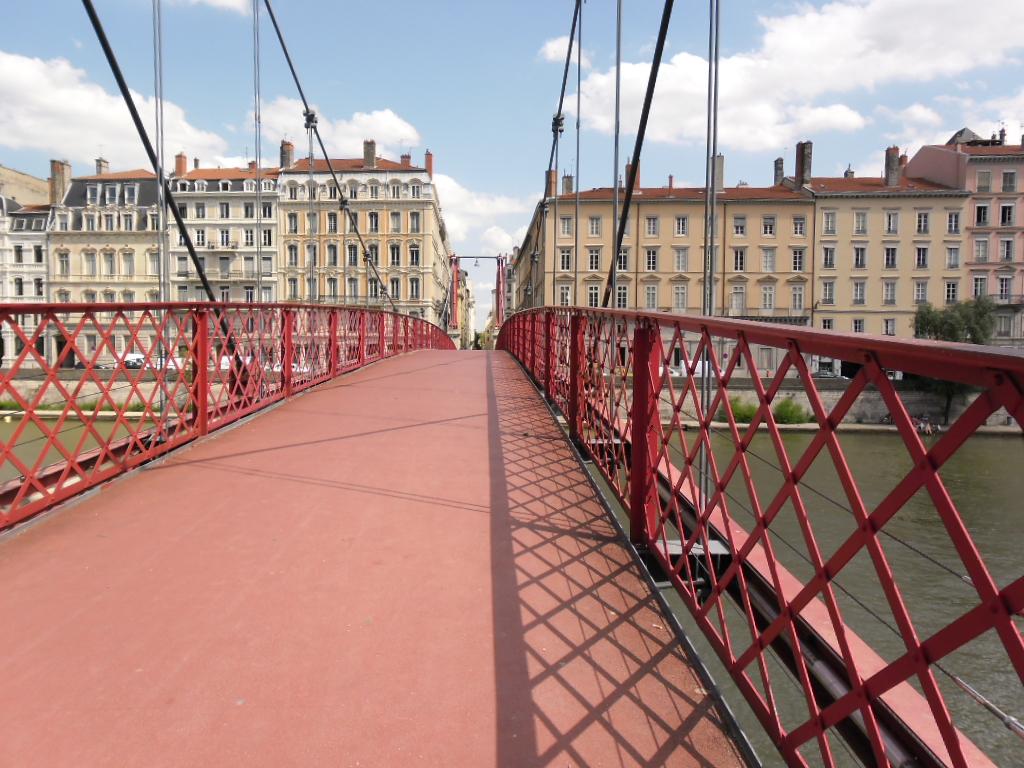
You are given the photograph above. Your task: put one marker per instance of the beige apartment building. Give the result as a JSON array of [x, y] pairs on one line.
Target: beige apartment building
[[849, 254], [233, 227], [398, 216]]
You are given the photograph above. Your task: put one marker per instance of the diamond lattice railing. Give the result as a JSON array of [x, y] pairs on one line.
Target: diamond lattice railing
[[851, 606], [90, 391]]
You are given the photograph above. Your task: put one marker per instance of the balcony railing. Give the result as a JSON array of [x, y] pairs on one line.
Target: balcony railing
[[789, 581]]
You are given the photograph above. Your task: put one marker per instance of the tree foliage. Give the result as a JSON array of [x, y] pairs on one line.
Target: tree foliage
[[969, 322]]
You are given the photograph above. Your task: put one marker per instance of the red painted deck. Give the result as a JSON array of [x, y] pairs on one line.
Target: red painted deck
[[403, 565]]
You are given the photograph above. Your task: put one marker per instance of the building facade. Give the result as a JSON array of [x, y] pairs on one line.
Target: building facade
[[398, 218], [23, 271], [234, 229], [993, 222], [22, 187]]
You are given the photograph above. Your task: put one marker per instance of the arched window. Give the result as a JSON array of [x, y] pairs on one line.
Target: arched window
[[332, 255]]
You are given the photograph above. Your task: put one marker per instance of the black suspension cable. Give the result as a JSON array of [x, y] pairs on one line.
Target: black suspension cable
[[659, 49], [311, 122], [97, 26]]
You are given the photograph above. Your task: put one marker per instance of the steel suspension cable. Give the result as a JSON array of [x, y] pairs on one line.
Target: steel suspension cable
[[576, 223], [615, 162], [257, 120], [310, 117], [659, 49]]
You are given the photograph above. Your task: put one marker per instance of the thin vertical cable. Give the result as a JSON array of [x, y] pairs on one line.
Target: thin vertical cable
[[615, 162], [710, 189], [574, 299], [311, 225], [163, 263], [257, 121]]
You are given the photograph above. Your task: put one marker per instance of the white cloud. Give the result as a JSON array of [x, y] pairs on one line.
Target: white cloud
[[52, 106], [789, 85], [467, 212], [554, 50], [282, 118], [496, 239], [238, 6]]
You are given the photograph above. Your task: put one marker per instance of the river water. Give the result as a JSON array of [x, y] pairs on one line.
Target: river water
[[985, 479]]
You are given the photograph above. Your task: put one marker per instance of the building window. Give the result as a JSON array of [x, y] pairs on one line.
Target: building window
[[920, 291], [374, 191], [922, 222], [651, 296], [739, 226], [652, 259], [200, 237], [889, 326], [828, 292], [768, 260], [128, 264], [108, 222], [860, 257], [374, 250], [127, 222], [595, 226], [63, 264], [414, 288], [829, 223], [332, 255], [953, 223], [953, 257], [373, 222], [1009, 181], [373, 288], [225, 238], [396, 222], [396, 191], [594, 259], [353, 255], [332, 221], [798, 259], [858, 291], [921, 257], [353, 288], [250, 237], [268, 210], [593, 295], [92, 193], [827, 324], [768, 226], [623, 261], [621, 296], [19, 254], [90, 223], [268, 237], [797, 297], [395, 288], [682, 257], [828, 257], [565, 226], [200, 210], [565, 259], [738, 299], [414, 191], [248, 210], [293, 255], [682, 226], [981, 214], [860, 222], [651, 226], [767, 297], [108, 264], [1006, 215], [981, 250], [19, 287], [414, 255], [679, 297], [799, 226], [563, 295], [293, 282], [395, 251], [889, 292], [414, 222], [1005, 284], [1002, 325], [984, 179], [952, 291], [739, 259], [858, 325]]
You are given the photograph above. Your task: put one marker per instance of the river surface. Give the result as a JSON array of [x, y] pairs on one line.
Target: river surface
[[985, 479]]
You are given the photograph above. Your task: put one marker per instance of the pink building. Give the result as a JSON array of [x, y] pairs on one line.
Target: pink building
[[992, 171]]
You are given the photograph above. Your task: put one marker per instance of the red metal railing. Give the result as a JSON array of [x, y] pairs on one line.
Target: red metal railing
[[668, 442], [97, 389]]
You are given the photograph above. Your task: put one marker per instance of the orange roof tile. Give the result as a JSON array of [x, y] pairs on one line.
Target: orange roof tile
[[35, 208], [225, 174], [867, 185], [1001, 149], [138, 173], [350, 164], [691, 194]]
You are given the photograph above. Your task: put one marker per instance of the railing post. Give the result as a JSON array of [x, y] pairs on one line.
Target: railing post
[[405, 334], [202, 363], [645, 433], [289, 351], [394, 333], [577, 360], [382, 334], [361, 358], [335, 341], [532, 365], [549, 351]]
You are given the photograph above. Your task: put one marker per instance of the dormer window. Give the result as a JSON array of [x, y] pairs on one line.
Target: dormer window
[[92, 194], [200, 186], [396, 191], [183, 186], [250, 186], [37, 224], [353, 191], [131, 194], [374, 192], [110, 194], [225, 186], [268, 186], [414, 191], [19, 224]]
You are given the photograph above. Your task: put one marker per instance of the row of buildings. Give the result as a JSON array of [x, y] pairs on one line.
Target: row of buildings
[[845, 253], [271, 234]]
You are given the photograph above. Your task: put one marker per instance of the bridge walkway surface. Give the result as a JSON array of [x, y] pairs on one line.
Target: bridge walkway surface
[[404, 565]]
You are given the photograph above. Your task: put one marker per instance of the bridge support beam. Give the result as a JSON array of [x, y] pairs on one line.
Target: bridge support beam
[[645, 435]]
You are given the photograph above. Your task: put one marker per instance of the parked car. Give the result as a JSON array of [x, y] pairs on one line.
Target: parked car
[[134, 360]]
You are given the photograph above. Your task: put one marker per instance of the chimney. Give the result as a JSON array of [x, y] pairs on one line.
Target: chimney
[[407, 160], [567, 184], [102, 166], [195, 163], [370, 153], [671, 181], [804, 153], [287, 154], [848, 173], [550, 183], [636, 183], [428, 162], [719, 172], [252, 166], [780, 170], [1002, 135], [892, 166], [904, 160], [180, 164], [60, 179]]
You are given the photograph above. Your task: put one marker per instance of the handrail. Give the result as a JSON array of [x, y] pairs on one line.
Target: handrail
[[117, 385], [628, 385]]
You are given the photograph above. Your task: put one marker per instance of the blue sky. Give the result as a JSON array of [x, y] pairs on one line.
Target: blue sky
[[477, 83]]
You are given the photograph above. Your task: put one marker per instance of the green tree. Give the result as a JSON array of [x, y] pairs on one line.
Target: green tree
[[969, 322]]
